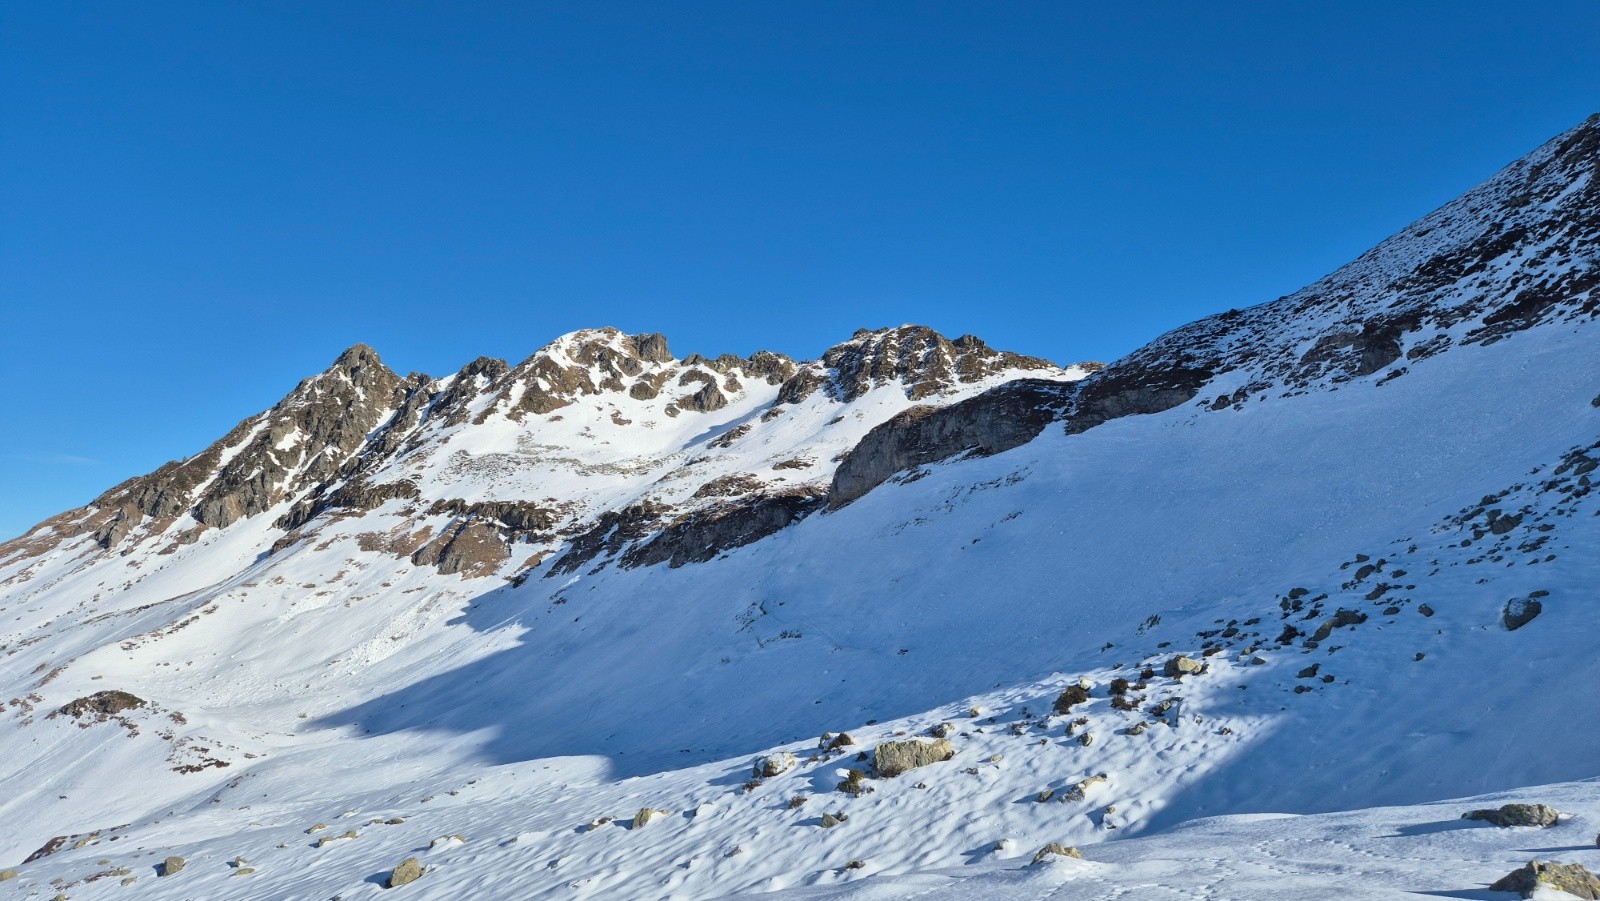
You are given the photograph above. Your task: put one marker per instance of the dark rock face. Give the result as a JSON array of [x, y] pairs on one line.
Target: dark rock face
[[612, 531], [307, 439], [470, 547], [356, 495], [994, 421], [923, 360], [1131, 390], [704, 534], [1567, 877]]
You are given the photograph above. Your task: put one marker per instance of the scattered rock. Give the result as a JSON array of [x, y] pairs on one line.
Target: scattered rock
[[1567, 877], [774, 764], [172, 865], [1086, 739], [1077, 792], [895, 757], [855, 865], [1519, 613], [1517, 815], [1309, 671], [1341, 619], [409, 870], [6, 875], [1056, 849], [855, 783], [830, 820], [1074, 694], [1181, 666], [943, 730], [646, 814], [1424, 609]]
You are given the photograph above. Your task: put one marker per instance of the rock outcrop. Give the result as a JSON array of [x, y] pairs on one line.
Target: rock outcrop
[[922, 361], [995, 421], [1507, 815]]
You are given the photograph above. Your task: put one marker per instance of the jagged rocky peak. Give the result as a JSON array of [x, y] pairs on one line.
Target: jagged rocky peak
[[304, 440], [606, 360], [925, 362]]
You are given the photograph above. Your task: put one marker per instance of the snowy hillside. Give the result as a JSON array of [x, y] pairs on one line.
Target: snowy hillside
[[485, 620]]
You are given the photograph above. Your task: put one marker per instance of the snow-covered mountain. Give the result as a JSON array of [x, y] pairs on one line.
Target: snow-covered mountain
[[510, 608]]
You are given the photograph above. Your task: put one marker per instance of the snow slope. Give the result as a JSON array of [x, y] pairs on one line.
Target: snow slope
[[509, 604]]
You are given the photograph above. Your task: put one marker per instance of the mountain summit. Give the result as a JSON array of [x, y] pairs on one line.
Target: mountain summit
[[609, 622]]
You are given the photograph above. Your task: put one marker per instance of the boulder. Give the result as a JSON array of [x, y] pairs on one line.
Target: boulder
[[1567, 877], [646, 814], [1341, 619], [1516, 815], [172, 865], [1181, 666], [895, 757], [409, 870], [1519, 613], [770, 765]]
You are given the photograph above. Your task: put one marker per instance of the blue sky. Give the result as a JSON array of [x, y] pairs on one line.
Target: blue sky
[[203, 203]]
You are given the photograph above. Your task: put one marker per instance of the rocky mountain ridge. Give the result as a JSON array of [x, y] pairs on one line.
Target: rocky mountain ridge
[[573, 628]]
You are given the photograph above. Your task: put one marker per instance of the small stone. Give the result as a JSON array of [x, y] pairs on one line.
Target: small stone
[[409, 870], [855, 865], [943, 730], [6, 875], [244, 871], [1086, 739], [830, 820]]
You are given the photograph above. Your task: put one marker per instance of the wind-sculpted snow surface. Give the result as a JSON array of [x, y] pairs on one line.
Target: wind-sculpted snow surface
[[533, 625]]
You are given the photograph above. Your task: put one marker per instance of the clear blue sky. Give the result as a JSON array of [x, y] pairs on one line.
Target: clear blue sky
[[201, 203]]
